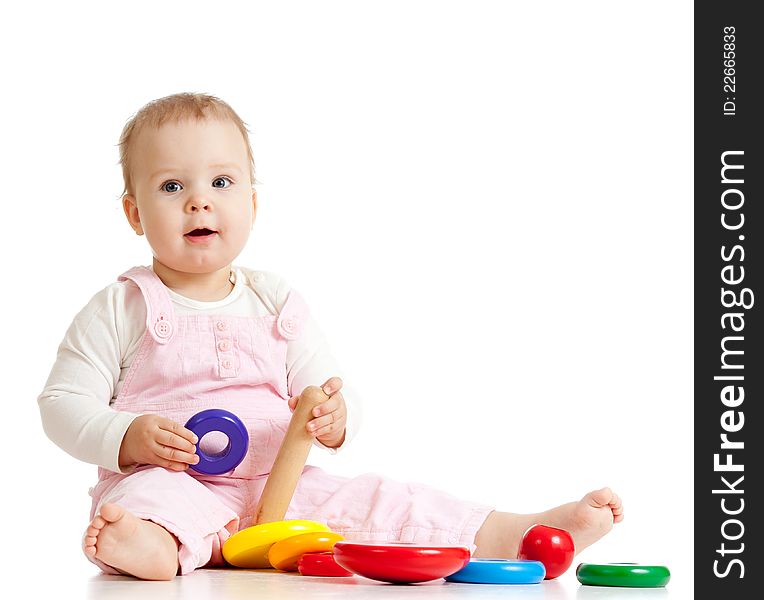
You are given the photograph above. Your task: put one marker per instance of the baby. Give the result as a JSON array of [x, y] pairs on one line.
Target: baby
[[194, 332]]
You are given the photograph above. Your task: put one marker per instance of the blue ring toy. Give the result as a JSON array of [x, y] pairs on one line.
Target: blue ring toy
[[499, 570], [217, 419]]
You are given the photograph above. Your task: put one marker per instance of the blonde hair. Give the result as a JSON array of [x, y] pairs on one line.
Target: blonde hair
[[174, 109]]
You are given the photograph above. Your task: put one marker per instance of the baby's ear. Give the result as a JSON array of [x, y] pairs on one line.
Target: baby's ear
[[254, 207], [131, 212]]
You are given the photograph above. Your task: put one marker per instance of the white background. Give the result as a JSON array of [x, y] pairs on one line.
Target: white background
[[487, 205]]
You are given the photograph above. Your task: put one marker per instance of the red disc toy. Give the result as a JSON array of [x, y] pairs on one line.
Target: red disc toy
[[321, 564], [400, 562]]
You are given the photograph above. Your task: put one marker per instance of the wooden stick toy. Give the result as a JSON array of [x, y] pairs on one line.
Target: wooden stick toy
[[249, 547]]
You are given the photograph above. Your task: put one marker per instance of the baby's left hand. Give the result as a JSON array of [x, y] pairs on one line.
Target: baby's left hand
[[328, 426]]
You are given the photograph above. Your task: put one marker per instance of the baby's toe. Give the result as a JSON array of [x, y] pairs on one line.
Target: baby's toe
[[616, 506], [89, 543], [599, 498], [111, 512]]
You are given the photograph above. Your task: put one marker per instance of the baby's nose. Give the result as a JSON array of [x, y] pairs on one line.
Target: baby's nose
[[198, 203]]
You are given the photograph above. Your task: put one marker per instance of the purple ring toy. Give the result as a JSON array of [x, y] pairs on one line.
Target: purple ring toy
[[217, 419]]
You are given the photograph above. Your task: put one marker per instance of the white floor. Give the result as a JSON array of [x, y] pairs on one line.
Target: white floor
[[225, 584]]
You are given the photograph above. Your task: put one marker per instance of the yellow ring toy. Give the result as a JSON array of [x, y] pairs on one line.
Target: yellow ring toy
[[285, 554], [249, 547]]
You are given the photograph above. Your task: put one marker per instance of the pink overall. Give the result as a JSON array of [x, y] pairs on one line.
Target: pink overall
[[189, 363]]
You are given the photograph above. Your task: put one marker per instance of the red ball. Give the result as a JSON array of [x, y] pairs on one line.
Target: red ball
[[552, 546]]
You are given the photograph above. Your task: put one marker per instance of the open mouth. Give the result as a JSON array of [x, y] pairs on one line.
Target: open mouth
[[201, 232], [200, 235]]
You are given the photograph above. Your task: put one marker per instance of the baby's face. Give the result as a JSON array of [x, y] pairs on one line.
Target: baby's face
[[193, 195]]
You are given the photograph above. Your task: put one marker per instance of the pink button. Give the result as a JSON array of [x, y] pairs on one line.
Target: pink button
[[289, 327], [221, 325], [224, 345], [163, 329], [227, 364]]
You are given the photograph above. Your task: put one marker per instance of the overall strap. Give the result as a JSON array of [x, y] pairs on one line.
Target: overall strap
[[292, 319], [293, 316], [160, 317]]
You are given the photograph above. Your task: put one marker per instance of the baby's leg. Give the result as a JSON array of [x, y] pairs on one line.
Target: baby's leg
[[372, 507], [131, 545], [586, 520], [154, 523]]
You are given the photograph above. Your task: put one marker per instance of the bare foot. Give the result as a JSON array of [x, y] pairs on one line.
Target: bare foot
[[586, 520], [131, 545]]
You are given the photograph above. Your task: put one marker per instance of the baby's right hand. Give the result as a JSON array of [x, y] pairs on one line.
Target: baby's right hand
[[154, 440]]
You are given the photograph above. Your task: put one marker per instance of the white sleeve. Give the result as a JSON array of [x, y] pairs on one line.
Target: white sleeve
[[310, 362], [74, 405]]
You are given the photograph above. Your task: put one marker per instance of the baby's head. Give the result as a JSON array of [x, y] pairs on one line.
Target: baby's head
[[189, 181]]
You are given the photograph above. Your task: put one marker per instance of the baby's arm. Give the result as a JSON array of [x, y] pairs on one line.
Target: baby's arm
[[74, 405]]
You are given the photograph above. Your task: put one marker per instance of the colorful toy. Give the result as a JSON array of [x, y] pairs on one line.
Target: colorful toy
[[321, 564], [399, 562], [499, 570], [391, 562], [284, 554], [552, 546], [623, 575], [216, 419], [249, 547]]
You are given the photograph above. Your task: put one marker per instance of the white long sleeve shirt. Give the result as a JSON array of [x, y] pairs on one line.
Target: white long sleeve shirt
[[100, 344]]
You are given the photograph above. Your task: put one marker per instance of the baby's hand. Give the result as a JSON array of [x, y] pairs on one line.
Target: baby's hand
[[154, 440], [329, 425]]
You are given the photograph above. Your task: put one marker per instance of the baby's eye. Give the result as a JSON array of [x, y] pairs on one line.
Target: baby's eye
[[222, 179], [165, 188]]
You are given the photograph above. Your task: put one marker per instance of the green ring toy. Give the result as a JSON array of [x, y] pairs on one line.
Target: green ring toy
[[623, 575]]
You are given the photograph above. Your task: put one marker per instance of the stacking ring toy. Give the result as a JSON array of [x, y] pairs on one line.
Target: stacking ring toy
[[216, 419], [284, 555], [249, 547], [400, 562], [499, 570], [321, 564], [623, 575]]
